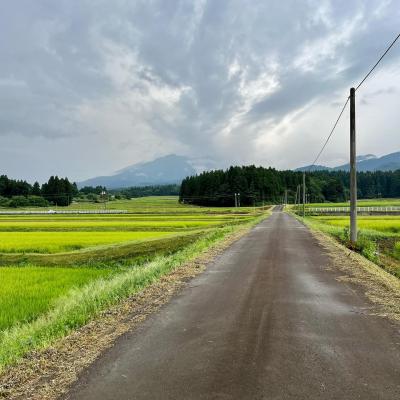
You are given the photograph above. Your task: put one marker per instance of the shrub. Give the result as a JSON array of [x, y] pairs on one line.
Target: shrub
[[19, 201], [367, 248]]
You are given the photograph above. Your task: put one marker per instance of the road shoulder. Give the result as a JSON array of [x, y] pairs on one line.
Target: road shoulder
[[380, 287]]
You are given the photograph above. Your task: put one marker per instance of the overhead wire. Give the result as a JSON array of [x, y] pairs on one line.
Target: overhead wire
[[348, 98]]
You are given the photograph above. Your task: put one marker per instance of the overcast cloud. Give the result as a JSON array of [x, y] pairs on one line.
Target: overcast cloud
[[88, 87]]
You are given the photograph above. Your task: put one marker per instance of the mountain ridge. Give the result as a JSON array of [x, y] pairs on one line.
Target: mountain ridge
[[367, 162], [165, 170]]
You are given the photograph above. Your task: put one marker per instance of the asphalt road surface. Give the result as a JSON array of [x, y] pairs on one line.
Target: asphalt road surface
[[266, 320]]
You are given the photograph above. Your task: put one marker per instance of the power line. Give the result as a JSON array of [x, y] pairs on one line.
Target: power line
[[380, 59], [331, 133], [348, 98]]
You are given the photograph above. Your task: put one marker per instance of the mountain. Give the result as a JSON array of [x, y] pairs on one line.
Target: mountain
[[368, 162], [312, 168], [161, 171], [389, 162]]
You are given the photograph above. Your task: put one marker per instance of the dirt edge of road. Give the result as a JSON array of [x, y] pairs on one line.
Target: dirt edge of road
[[380, 287], [47, 374]]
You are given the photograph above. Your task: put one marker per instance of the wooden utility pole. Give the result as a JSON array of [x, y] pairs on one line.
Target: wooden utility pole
[[304, 194], [298, 197], [353, 171]]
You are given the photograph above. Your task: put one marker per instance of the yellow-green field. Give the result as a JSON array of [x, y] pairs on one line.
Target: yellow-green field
[[376, 223], [46, 256], [55, 242]]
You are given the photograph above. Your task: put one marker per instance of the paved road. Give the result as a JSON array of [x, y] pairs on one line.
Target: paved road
[[265, 321]]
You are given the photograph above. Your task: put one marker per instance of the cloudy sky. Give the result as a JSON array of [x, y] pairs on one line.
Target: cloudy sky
[[90, 86]]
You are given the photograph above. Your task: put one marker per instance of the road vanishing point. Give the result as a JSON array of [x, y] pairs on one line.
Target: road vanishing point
[[266, 320]]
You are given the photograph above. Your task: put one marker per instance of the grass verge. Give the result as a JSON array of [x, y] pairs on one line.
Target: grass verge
[[80, 306], [382, 288]]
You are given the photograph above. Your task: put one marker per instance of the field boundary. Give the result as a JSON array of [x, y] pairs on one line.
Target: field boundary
[[103, 253]]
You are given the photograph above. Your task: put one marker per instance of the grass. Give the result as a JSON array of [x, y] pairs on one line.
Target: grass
[[79, 305]]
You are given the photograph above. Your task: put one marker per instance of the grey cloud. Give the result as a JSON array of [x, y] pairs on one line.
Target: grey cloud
[[165, 68]]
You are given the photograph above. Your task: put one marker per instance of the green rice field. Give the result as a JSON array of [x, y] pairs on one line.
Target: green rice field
[[54, 242], [50, 256], [373, 224], [27, 292]]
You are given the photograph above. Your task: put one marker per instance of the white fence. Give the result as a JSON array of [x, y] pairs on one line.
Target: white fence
[[346, 210]]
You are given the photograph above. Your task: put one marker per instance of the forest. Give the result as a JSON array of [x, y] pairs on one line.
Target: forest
[[19, 193], [257, 185]]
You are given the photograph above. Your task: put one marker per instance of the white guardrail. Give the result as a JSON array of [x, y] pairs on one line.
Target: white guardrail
[[333, 210], [47, 212]]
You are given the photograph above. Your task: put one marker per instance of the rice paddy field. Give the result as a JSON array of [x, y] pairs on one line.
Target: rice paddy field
[[142, 205], [48, 257]]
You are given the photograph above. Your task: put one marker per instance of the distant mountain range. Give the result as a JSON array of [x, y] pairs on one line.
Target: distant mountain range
[[173, 168], [161, 171], [368, 162]]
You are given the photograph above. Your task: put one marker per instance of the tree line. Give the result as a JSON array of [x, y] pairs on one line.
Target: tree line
[[61, 192], [90, 192], [257, 185], [19, 193]]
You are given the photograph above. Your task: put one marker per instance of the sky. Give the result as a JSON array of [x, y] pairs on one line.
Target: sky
[[89, 87]]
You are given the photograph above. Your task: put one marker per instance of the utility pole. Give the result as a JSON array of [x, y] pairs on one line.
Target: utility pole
[[285, 197], [237, 199], [304, 194], [103, 195], [353, 171]]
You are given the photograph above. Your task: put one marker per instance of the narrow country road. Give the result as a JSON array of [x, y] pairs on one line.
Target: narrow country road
[[266, 320]]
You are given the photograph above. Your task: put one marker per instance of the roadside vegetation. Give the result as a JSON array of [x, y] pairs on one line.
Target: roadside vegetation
[[60, 271], [378, 235]]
